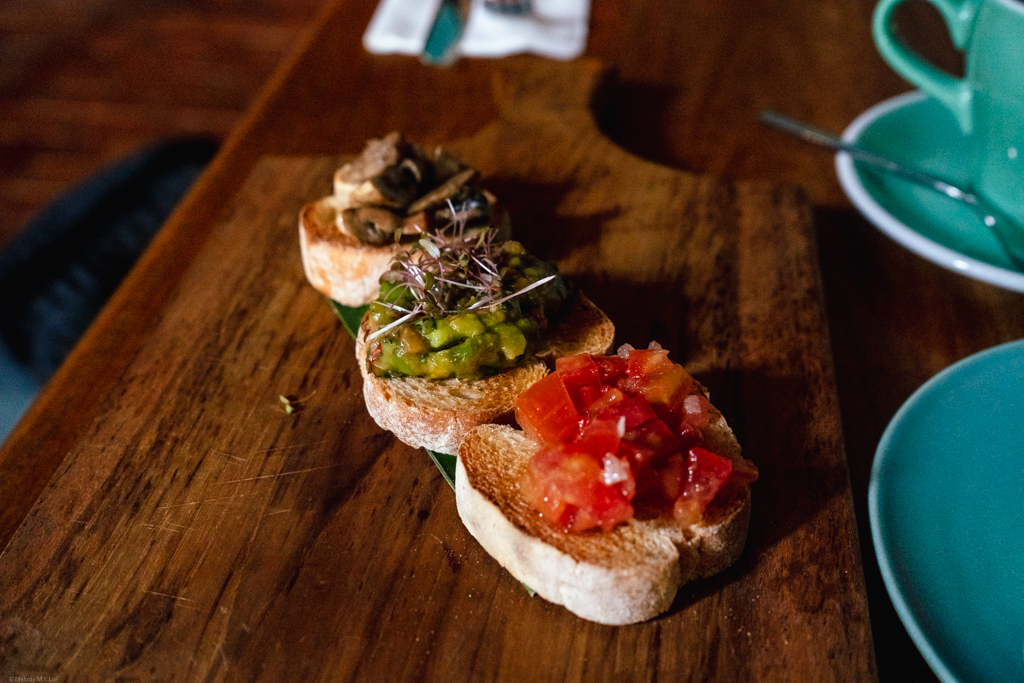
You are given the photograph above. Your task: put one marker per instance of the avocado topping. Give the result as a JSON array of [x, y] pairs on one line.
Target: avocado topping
[[462, 305]]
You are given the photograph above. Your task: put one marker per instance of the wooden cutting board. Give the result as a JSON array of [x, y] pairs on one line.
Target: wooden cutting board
[[197, 531]]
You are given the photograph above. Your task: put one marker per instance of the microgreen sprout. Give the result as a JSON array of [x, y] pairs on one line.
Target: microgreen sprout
[[456, 268], [293, 404]]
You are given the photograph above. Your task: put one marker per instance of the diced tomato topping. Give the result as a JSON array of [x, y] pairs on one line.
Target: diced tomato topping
[[689, 436], [647, 362], [633, 411], [546, 412], [655, 435], [582, 379], [647, 448], [598, 439], [611, 368], [623, 436], [569, 490], [609, 397], [687, 511], [708, 472], [696, 411], [666, 388], [673, 476]]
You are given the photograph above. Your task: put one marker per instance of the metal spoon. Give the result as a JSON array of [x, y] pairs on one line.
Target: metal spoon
[[1008, 231]]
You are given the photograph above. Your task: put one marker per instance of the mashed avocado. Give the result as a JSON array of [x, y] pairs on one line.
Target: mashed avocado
[[463, 341]]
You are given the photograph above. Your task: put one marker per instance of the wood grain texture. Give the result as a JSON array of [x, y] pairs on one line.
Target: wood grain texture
[[83, 84], [689, 80], [197, 532]]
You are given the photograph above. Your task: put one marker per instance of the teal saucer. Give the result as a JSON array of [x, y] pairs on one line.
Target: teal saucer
[[921, 133], [946, 503]]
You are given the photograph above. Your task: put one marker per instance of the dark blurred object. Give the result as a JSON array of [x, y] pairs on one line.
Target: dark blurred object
[[57, 273], [508, 6]]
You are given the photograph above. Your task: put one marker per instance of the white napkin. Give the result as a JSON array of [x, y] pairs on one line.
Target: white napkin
[[555, 28]]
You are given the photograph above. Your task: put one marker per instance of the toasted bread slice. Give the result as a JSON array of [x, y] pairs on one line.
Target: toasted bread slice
[[437, 414], [336, 263], [383, 201], [623, 576]]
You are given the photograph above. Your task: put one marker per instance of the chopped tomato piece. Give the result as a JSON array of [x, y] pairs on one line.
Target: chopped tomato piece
[[569, 490], [673, 476], [633, 409], [582, 379], [597, 438], [708, 472], [696, 410], [609, 397], [689, 437], [655, 435], [611, 368], [646, 362], [546, 412], [668, 388], [687, 511], [542, 481], [604, 506], [641, 458], [647, 449]]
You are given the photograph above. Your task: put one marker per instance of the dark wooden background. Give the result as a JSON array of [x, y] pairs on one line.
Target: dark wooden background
[[690, 80], [84, 83]]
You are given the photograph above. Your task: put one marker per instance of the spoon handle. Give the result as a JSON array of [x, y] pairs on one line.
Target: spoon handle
[[823, 139], [1008, 231]]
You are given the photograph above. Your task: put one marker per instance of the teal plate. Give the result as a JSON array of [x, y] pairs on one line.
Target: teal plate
[[946, 503], [921, 133]]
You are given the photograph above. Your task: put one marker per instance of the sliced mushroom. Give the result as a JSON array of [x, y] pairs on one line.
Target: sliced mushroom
[[366, 193], [445, 191], [416, 224], [446, 164], [421, 169], [374, 225], [472, 206], [375, 157], [401, 183]]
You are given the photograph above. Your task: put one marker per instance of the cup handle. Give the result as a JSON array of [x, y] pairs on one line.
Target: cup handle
[[955, 93]]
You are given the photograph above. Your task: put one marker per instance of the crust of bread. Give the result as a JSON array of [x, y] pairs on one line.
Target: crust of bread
[[624, 576], [437, 414], [336, 263]]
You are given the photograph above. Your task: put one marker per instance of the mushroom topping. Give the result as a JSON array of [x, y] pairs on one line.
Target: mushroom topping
[[415, 224], [470, 205], [401, 183], [374, 225], [396, 189], [446, 165], [445, 191], [367, 193], [378, 155]]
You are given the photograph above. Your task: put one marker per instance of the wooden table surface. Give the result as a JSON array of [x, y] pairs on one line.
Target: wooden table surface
[[106, 574]]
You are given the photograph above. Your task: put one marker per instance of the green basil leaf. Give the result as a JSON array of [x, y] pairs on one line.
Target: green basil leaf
[[350, 317], [445, 463]]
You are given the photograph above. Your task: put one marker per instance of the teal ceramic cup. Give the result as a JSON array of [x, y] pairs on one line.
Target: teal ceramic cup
[[988, 102]]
